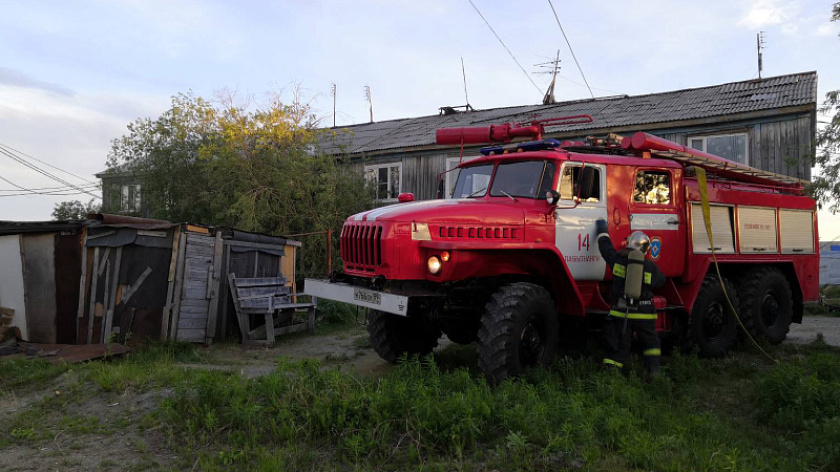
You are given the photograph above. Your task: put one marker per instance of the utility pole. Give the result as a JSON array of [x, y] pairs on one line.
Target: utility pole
[[370, 101], [464, 74], [333, 96], [759, 44], [548, 99]]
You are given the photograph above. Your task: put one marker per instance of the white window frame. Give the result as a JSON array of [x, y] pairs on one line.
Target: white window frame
[[724, 135], [451, 177], [376, 167], [130, 198]]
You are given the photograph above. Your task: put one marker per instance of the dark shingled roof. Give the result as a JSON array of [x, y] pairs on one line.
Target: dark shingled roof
[[609, 112]]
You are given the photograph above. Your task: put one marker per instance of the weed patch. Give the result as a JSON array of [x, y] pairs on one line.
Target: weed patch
[[563, 417]]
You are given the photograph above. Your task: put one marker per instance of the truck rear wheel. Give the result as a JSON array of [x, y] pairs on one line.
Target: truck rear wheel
[[713, 327], [766, 304], [519, 329], [392, 335]]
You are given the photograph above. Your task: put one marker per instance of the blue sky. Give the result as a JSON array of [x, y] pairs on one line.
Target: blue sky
[[74, 74]]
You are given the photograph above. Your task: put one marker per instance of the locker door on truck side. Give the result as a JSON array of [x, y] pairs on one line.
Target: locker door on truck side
[[575, 223], [655, 210]]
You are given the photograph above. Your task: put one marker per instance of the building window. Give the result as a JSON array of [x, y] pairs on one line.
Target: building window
[[387, 180], [728, 146], [451, 176], [130, 198], [652, 187]]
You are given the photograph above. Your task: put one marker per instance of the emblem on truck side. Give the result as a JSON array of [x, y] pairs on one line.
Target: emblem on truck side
[[655, 248]]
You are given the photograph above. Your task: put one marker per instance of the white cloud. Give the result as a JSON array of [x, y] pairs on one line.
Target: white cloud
[[827, 30], [763, 13]]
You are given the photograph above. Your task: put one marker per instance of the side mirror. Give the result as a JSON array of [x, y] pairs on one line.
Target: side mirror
[[586, 183], [552, 197], [405, 197]]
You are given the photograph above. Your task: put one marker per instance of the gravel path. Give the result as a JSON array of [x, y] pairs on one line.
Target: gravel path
[[828, 326]]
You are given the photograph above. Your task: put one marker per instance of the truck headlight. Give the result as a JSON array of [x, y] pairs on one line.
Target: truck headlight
[[420, 232], [434, 265]]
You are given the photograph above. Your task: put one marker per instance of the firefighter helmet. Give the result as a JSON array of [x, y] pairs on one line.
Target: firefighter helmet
[[639, 241]]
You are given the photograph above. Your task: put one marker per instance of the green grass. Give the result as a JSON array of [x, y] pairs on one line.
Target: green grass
[[698, 415], [739, 413]]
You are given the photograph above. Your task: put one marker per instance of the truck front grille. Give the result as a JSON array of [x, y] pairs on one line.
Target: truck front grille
[[361, 245]]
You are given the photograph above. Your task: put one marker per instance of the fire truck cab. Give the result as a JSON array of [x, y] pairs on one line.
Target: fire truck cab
[[511, 261]]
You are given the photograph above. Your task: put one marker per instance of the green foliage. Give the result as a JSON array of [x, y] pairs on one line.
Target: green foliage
[[74, 210], [826, 187], [253, 168]]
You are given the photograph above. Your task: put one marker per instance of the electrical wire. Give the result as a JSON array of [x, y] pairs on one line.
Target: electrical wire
[[9, 148], [37, 169], [20, 190], [506, 48], [570, 47]]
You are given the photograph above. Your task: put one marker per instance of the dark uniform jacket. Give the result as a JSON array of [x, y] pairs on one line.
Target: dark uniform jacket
[[617, 262]]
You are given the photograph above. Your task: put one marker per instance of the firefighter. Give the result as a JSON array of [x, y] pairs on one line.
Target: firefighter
[[631, 299]]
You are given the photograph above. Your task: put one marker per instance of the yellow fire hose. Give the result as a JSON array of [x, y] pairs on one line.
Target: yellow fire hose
[[702, 185]]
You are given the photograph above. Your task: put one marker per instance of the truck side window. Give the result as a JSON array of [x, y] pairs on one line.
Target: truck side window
[[652, 187], [569, 183]]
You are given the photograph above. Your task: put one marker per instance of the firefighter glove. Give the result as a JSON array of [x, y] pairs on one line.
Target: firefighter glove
[[601, 226]]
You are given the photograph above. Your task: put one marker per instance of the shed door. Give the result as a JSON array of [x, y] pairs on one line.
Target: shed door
[[195, 297]]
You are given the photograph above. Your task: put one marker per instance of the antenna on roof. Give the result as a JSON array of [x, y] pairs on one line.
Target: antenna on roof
[[333, 96], [370, 100], [548, 98], [759, 44], [464, 74]]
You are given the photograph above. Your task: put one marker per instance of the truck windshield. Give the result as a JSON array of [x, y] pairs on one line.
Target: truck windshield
[[529, 179], [473, 181]]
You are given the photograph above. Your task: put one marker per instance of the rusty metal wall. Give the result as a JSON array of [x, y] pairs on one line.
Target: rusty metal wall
[[39, 286]]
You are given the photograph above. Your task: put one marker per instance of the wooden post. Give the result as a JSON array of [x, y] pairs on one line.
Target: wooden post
[[210, 331], [92, 306], [109, 313], [170, 291], [80, 311], [179, 287]]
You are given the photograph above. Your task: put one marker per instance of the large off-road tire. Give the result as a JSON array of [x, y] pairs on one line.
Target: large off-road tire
[[392, 335], [766, 304], [713, 328], [519, 329]]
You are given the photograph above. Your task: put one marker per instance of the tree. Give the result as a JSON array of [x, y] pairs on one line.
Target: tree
[[256, 169], [74, 210], [826, 187]]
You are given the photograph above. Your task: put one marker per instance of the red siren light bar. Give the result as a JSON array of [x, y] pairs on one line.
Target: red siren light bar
[[725, 168], [506, 132]]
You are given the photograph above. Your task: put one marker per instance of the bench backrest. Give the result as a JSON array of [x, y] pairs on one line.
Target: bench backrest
[[255, 292]]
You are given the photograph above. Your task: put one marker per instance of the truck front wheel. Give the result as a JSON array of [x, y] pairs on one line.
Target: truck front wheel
[[519, 329], [392, 336]]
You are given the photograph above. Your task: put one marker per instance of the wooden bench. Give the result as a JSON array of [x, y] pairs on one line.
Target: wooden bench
[[270, 299]]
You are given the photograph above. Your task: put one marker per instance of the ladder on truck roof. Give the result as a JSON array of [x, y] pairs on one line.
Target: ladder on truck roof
[[643, 142]]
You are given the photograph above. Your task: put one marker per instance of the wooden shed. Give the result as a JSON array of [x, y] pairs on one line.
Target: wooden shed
[[152, 279], [39, 279]]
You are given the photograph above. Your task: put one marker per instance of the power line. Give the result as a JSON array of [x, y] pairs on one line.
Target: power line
[[45, 163], [570, 47], [20, 190], [44, 173], [506, 48]]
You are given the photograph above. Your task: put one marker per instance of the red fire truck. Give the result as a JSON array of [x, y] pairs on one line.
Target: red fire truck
[[511, 261]]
